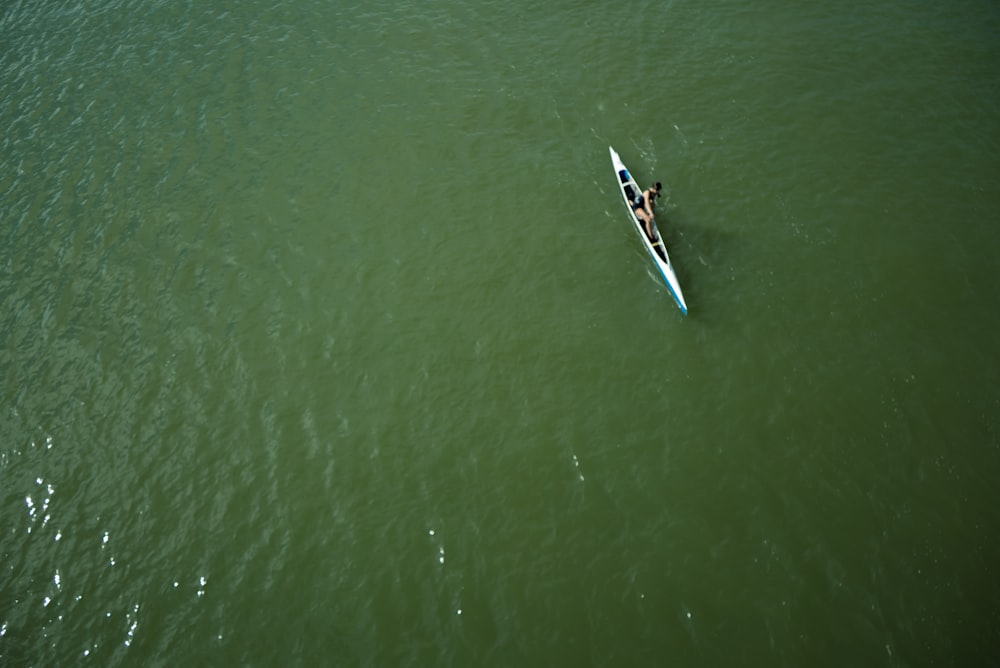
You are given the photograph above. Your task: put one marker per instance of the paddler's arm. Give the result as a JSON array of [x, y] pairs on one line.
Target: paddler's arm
[[649, 202]]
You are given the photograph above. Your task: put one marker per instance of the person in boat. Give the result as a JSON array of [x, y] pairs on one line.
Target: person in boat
[[643, 207]]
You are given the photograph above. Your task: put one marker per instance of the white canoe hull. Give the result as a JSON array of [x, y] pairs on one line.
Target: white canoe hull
[[628, 188]]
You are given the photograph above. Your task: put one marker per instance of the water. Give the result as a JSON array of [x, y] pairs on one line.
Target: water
[[326, 339]]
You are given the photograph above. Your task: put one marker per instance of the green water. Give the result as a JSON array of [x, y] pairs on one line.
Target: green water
[[326, 339]]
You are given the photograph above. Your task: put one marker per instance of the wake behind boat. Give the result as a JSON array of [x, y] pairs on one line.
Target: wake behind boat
[[630, 190]]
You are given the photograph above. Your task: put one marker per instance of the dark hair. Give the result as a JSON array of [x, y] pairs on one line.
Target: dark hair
[[658, 186]]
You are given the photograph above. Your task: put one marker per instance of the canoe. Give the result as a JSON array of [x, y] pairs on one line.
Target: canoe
[[630, 190]]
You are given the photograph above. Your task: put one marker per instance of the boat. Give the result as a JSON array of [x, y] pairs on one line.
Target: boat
[[630, 190]]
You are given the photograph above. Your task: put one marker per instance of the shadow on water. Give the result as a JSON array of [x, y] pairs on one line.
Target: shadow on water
[[704, 257]]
